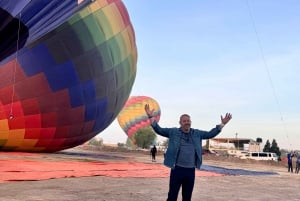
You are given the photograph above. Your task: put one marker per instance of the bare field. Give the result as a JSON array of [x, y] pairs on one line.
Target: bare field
[[282, 186]]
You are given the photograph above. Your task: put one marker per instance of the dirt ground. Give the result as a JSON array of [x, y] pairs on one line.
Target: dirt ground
[[279, 186]]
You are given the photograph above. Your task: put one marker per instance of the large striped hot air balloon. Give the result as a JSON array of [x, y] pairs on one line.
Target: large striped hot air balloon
[[66, 70], [133, 116]]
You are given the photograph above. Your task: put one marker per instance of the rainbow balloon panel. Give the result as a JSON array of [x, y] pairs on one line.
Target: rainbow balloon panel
[[66, 70], [133, 116]]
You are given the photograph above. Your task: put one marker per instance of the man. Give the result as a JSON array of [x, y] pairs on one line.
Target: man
[[290, 156], [297, 164], [184, 152], [153, 153]]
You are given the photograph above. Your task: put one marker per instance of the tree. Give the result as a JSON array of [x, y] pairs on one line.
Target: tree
[[267, 147], [274, 148], [98, 142], [259, 140], [166, 143], [144, 137], [121, 144]]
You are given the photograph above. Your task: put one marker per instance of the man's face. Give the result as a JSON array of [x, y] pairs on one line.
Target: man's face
[[185, 123]]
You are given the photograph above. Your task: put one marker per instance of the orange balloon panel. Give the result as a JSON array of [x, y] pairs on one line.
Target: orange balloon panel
[[133, 116]]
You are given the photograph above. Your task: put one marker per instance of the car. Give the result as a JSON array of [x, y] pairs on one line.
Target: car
[[261, 156], [207, 151]]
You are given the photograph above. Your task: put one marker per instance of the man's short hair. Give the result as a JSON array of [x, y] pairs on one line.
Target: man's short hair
[[185, 115]]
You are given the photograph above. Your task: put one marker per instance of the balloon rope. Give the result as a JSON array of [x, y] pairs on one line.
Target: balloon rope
[[14, 70], [268, 72]]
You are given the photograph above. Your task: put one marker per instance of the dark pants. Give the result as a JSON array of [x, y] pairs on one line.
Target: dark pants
[[290, 167], [297, 167], [153, 156], [181, 177]]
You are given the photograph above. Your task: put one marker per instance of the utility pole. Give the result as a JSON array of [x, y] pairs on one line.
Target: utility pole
[[238, 144]]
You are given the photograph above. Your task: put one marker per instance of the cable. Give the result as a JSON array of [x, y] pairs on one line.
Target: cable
[[11, 116], [268, 71]]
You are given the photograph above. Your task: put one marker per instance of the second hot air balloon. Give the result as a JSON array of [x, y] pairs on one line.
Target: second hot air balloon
[[133, 116]]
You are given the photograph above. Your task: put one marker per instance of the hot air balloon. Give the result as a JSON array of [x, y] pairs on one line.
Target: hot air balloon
[[133, 116], [66, 71]]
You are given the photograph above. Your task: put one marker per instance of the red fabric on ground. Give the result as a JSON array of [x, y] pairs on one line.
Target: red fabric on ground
[[37, 168]]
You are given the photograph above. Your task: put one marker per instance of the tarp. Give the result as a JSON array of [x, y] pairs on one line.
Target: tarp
[[31, 167]]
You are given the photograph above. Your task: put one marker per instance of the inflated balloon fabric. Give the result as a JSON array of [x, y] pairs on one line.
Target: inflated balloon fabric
[[66, 70]]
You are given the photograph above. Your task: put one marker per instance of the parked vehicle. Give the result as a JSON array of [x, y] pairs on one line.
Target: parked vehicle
[[260, 156], [207, 152]]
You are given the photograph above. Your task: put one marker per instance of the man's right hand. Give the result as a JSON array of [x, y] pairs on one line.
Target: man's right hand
[[148, 111]]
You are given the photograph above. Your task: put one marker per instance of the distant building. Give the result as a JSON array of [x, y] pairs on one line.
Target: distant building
[[233, 146]]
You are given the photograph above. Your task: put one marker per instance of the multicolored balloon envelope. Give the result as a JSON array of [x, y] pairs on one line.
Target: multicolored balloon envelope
[[66, 70], [133, 116]]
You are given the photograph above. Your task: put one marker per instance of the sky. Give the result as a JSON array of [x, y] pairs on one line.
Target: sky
[[209, 57]]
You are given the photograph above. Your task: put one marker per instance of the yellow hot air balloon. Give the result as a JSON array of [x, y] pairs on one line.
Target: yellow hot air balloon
[[133, 116]]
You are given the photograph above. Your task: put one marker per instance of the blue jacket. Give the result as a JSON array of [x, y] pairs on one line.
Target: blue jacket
[[290, 157], [174, 135]]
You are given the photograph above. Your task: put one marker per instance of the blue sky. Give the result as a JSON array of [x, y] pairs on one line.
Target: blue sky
[[206, 58]]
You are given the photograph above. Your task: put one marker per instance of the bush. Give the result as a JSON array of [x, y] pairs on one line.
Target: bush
[[96, 142]]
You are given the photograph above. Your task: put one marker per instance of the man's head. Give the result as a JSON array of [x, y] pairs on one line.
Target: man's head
[[185, 123]]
